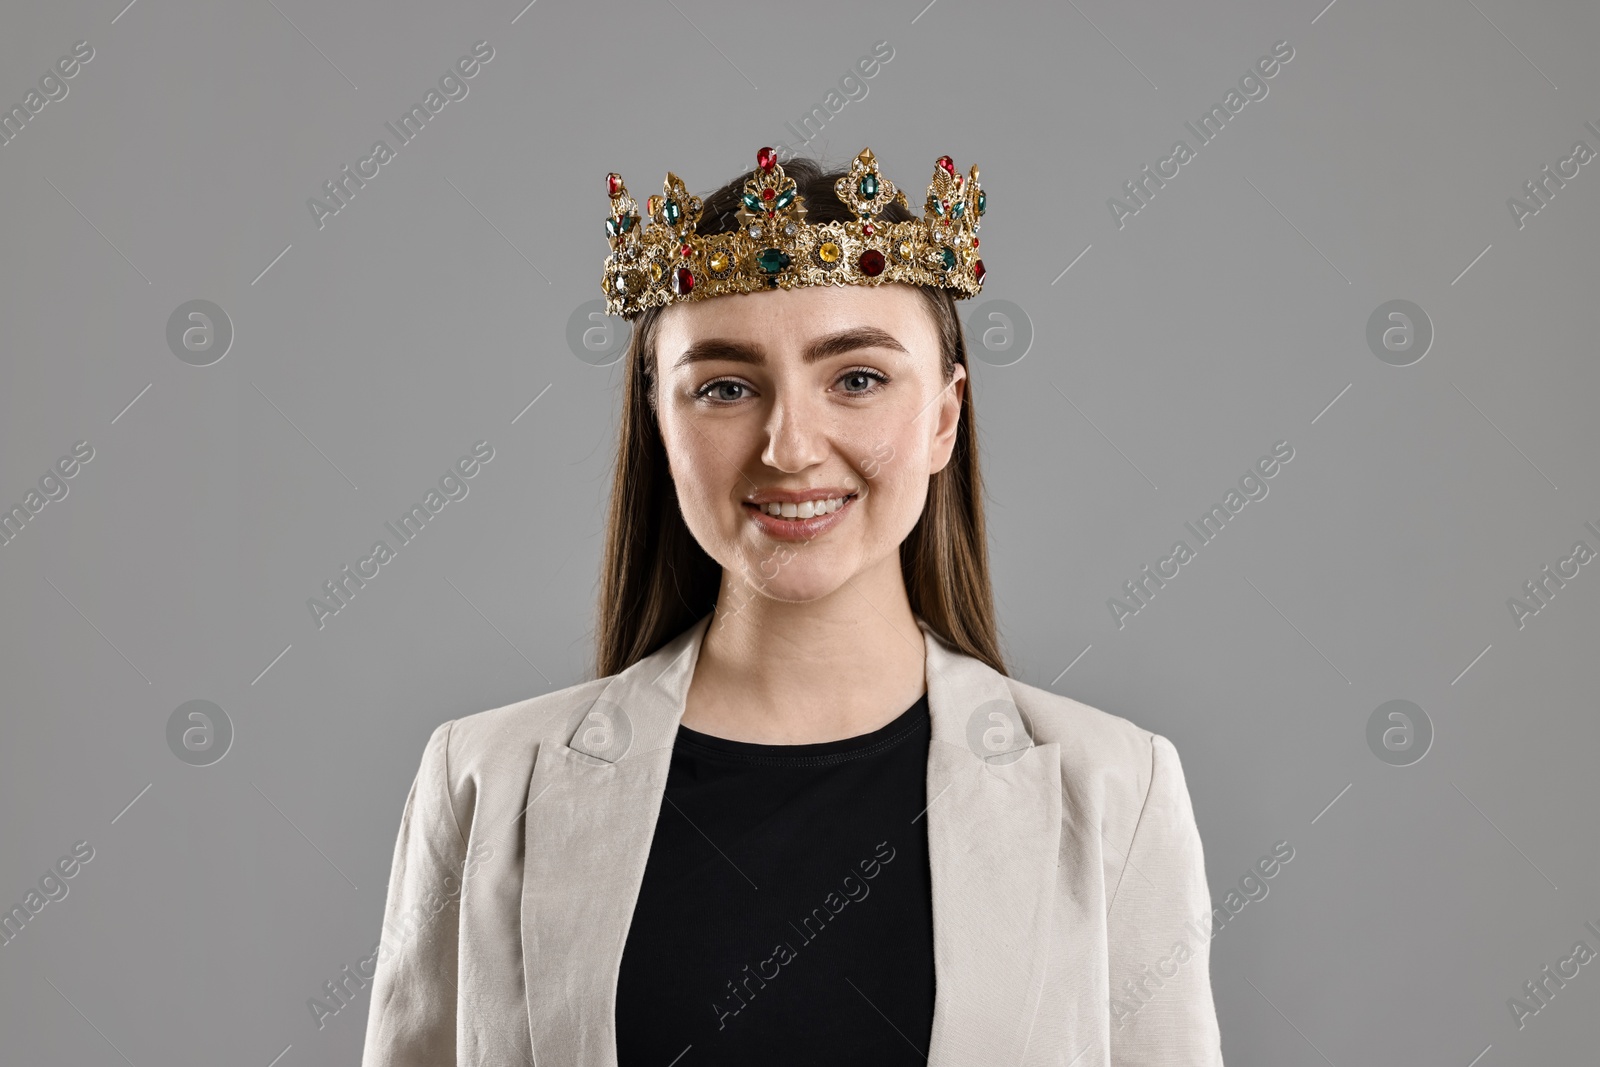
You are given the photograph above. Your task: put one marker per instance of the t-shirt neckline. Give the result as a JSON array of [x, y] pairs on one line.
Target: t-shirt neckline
[[887, 736]]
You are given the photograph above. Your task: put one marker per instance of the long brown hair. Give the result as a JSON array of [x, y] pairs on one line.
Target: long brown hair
[[657, 581]]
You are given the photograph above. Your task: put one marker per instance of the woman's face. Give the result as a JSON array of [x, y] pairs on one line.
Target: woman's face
[[798, 396]]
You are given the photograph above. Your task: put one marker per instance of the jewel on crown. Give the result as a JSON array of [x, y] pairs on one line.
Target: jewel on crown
[[775, 247]]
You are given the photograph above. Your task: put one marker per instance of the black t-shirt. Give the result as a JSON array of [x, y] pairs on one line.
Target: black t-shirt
[[786, 914]]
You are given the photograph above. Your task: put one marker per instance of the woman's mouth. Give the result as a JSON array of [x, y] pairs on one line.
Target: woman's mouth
[[806, 510], [803, 521]]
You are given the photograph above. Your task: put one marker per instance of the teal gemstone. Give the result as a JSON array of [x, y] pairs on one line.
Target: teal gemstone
[[981, 199], [772, 260], [752, 202], [612, 228], [784, 199], [937, 205], [947, 256], [627, 223], [959, 209], [869, 187], [671, 211]]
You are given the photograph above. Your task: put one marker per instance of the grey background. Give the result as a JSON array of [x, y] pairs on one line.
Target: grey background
[[1227, 315]]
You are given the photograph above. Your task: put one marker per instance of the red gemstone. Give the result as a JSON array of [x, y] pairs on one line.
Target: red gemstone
[[974, 242], [977, 270], [871, 262], [685, 251], [866, 228], [613, 184], [947, 165], [766, 158], [682, 281], [768, 194]]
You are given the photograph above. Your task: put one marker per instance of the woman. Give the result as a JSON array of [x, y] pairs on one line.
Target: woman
[[800, 708]]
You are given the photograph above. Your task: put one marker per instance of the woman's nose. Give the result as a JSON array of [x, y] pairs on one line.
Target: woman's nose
[[797, 434]]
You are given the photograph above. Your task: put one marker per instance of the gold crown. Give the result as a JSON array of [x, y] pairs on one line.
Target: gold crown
[[775, 248]]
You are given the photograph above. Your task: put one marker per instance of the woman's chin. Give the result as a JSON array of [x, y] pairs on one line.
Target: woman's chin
[[797, 581]]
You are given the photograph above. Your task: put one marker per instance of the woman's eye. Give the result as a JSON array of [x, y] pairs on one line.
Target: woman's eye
[[720, 391], [861, 381]]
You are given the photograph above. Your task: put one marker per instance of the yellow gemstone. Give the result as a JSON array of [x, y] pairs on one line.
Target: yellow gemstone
[[718, 261], [829, 252], [655, 272], [905, 249]]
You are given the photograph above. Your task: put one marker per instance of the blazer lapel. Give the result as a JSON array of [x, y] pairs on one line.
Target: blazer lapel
[[593, 803], [994, 824], [993, 815]]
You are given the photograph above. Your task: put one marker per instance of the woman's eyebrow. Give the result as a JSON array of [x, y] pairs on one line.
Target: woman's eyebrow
[[833, 344]]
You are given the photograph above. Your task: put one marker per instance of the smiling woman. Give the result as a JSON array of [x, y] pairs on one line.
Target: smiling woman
[[659, 577], [797, 662]]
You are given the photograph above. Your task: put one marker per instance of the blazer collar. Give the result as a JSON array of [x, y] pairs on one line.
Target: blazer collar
[[993, 824]]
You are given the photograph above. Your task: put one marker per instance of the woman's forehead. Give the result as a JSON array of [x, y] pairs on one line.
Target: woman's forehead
[[791, 320]]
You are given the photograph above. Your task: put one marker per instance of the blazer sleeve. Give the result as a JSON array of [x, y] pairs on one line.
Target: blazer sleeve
[[411, 1021], [1159, 933]]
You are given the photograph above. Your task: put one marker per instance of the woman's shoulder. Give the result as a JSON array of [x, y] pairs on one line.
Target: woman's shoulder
[[1111, 767], [1096, 745], [513, 727], [1057, 717], [480, 761]]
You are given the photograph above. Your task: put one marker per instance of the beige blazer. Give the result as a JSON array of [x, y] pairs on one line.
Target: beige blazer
[[1071, 918]]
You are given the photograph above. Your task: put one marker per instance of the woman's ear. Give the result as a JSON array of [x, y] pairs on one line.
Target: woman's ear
[[949, 424]]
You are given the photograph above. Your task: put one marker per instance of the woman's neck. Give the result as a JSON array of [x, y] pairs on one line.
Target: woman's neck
[[775, 672]]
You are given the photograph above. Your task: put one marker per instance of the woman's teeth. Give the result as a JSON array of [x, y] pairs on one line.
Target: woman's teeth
[[807, 510]]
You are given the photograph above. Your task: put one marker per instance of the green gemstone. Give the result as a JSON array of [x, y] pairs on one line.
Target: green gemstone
[[947, 256], [959, 209], [981, 199], [772, 260], [869, 187], [612, 228], [627, 223], [937, 205], [752, 202], [784, 199], [671, 211]]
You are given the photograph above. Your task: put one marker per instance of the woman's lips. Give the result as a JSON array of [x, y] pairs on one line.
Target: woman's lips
[[798, 529]]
